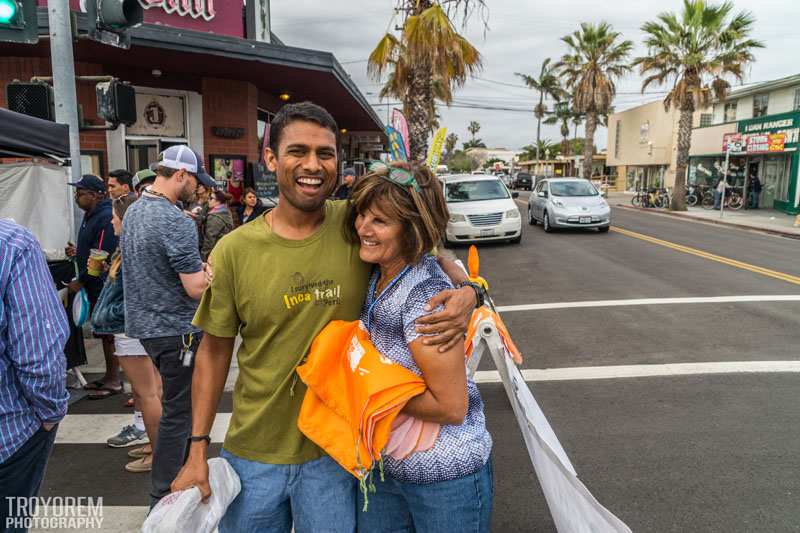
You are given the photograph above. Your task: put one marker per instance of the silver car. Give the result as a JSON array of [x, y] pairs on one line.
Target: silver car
[[568, 203]]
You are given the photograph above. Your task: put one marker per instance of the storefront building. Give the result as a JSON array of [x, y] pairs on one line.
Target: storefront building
[[642, 146], [769, 150], [200, 80]]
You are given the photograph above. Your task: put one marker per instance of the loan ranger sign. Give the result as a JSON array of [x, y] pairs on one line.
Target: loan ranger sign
[[762, 129]]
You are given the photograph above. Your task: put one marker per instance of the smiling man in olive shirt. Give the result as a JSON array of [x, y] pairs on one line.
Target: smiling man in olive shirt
[[278, 281]]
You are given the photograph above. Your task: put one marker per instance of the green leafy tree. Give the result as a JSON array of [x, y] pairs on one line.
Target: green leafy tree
[[546, 84], [694, 53], [460, 161], [489, 163], [596, 58]]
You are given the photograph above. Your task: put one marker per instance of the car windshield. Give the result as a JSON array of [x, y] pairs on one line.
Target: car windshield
[[572, 188], [475, 191]]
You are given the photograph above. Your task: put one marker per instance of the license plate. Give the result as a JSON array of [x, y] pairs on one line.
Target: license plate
[[585, 220], [487, 233]]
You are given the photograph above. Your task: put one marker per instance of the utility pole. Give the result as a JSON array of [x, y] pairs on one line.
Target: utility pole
[[66, 100]]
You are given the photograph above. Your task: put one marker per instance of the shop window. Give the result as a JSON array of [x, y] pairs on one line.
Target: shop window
[[760, 105], [706, 119], [730, 112], [796, 99]]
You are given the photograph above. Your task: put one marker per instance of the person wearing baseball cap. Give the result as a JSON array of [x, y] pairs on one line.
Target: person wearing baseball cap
[[142, 179], [164, 278], [96, 232]]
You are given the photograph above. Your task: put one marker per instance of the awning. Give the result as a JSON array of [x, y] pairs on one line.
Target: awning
[[30, 136], [185, 56]]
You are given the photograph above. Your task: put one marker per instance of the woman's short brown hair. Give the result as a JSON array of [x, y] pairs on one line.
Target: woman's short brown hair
[[423, 214]]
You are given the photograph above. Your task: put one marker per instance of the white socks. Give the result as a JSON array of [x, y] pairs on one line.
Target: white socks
[[138, 420]]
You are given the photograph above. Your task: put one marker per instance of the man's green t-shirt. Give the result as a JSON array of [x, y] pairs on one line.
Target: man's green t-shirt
[[278, 294]]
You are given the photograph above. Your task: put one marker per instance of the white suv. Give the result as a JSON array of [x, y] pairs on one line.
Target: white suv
[[481, 209]]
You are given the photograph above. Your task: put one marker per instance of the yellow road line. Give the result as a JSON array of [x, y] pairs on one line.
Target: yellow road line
[[711, 257]]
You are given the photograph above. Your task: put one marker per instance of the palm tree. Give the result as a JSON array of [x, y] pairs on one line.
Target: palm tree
[[474, 143], [562, 114], [594, 61], [546, 146], [548, 85], [695, 51], [473, 128], [425, 63], [450, 145]]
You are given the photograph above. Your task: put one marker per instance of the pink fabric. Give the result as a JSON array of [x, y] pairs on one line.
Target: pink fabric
[[410, 435]]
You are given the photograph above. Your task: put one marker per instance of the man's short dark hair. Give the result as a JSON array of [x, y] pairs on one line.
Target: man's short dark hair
[[308, 111], [123, 177]]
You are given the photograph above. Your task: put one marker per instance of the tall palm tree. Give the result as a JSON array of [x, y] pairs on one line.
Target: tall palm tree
[[548, 85], [595, 59], [425, 63], [562, 114], [473, 128], [450, 145], [694, 52]]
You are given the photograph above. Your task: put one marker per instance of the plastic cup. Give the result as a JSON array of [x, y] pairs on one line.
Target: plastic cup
[[94, 267]]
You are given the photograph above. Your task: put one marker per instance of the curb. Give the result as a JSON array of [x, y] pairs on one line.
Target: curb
[[684, 216]]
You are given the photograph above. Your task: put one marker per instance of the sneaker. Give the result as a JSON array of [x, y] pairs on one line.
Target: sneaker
[[140, 452], [143, 464], [128, 436]]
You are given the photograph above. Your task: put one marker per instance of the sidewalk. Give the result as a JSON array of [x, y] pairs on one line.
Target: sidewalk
[[768, 220]]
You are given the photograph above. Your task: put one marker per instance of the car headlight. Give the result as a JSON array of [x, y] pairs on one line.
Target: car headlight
[[559, 203], [455, 217], [514, 213]]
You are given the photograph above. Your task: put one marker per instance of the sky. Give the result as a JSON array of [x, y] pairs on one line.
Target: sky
[[520, 35]]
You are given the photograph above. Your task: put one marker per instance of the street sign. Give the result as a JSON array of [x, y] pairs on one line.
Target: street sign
[[18, 22]]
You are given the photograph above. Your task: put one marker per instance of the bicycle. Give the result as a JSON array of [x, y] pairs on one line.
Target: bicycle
[[733, 199], [661, 198], [694, 195], [639, 199]]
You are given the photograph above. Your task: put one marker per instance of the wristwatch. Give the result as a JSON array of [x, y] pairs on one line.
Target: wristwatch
[[200, 438], [480, 296]]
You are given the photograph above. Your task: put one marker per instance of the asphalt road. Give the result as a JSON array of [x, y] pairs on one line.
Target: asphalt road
[[687, 453], [682, 453]]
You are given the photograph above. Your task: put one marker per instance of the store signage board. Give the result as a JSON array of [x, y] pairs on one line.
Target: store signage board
[[222, 17], [733, 143], [786, 124], [159, 116]]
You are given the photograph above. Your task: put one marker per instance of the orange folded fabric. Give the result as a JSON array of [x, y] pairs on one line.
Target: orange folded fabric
[[354, 395], [482, 313]]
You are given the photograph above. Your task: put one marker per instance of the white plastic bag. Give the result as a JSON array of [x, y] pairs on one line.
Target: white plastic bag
[[183, 512]]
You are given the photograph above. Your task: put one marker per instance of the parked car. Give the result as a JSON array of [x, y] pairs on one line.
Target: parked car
[[568, 203], [523, 180], [481, 209]]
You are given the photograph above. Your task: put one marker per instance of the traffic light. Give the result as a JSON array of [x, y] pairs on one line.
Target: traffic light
[[116, 102], [18, 22], [109, 20], [33, 98]]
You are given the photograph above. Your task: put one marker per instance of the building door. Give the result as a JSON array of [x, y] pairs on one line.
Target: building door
[[774, 180], [141, 154]]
